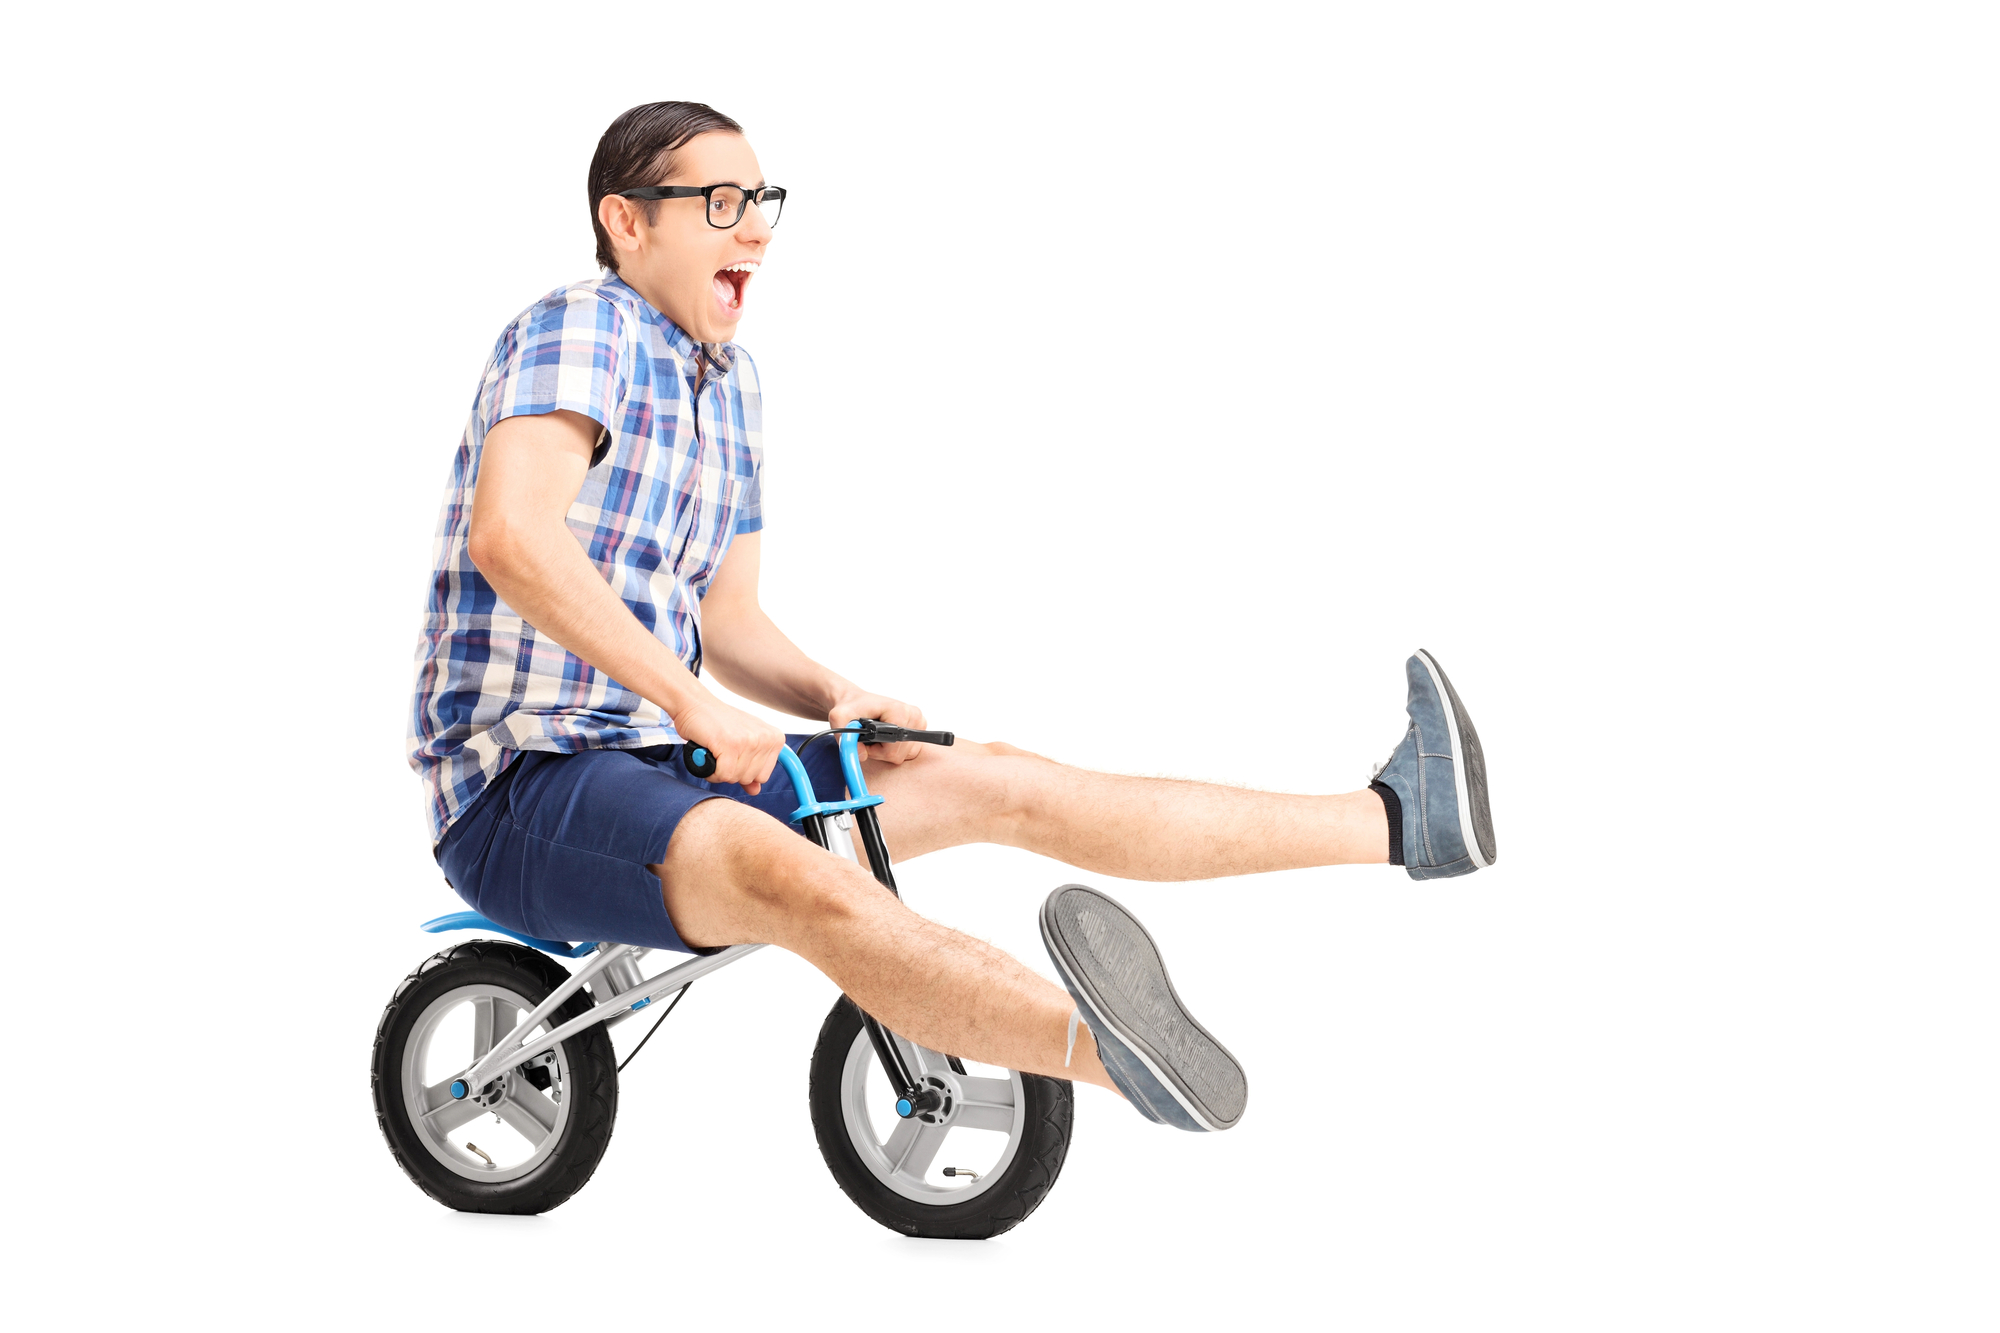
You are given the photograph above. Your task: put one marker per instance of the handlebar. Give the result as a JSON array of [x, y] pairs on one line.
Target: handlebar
[[699, 760]]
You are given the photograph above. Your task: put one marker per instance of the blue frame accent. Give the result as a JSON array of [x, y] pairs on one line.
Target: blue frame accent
[[850, 768], [850, 765], [474, 921]]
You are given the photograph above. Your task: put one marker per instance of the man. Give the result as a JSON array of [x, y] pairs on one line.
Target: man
[[600, 545]]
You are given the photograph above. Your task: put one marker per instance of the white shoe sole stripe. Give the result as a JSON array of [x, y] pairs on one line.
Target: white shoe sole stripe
[[1466, 833]]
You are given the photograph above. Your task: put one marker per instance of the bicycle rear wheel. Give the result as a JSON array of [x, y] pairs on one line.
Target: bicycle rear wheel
[[551, 1117]]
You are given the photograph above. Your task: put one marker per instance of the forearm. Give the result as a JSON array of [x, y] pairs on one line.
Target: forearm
[[541, 572], [751, 656]]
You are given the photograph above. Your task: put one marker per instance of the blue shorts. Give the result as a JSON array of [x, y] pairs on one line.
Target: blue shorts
[[557, 846]]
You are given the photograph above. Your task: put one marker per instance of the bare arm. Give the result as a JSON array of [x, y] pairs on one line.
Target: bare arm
[[749, 654], [530, 470], [744, 650]]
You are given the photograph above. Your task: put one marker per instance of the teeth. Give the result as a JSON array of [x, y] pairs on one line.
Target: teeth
[[746, 266]]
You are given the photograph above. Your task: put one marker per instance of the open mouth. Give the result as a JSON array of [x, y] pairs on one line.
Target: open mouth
[[730, 285]]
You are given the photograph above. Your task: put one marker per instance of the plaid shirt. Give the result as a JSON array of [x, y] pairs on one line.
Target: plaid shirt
[[676, 475]]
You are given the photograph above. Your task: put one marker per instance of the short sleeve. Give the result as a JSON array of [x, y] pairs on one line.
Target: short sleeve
[[564, 354], [750, 506], [750, 401]]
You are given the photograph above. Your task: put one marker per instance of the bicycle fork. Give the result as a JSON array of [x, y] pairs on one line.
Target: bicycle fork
[[833, 832]]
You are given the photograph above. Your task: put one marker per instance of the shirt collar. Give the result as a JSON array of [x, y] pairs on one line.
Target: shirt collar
[[721, 356]]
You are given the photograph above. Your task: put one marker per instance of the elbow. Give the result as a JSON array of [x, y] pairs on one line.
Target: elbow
[[493, 550]]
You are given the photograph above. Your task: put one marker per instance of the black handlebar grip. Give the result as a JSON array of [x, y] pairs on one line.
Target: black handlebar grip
[[698, 760], [881, 733]]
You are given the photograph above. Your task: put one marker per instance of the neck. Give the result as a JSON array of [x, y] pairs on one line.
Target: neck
[[653, 294]]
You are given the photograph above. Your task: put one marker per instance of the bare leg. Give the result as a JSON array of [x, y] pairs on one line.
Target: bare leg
[[1135, 828], [734, 876]]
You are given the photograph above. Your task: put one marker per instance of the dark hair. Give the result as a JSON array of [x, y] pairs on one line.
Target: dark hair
[[638, 149]]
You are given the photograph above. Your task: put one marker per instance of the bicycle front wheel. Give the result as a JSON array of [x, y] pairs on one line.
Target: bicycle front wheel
[[968, 1171]]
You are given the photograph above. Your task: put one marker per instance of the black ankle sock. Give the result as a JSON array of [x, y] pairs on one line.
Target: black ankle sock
[[1392, 804]]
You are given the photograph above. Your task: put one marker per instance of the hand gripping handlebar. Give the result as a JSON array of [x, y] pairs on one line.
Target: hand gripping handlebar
[[700, 760]]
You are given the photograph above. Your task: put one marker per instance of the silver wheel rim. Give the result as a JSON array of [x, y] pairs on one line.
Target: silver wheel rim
[[905, 1159], [442, 1120]]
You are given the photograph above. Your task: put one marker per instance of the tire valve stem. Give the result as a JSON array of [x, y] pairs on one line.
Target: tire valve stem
[[481, 1151], [949, 1171]]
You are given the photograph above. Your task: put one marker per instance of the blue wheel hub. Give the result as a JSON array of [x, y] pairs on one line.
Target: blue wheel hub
[[932, 1103]]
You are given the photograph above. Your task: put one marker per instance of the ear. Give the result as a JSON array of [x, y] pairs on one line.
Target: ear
[[622, 222]]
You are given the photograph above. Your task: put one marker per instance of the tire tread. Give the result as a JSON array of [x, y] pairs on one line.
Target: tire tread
[[593, 1072]]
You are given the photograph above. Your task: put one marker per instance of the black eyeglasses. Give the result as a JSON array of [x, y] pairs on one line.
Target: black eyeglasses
[[726, 204]]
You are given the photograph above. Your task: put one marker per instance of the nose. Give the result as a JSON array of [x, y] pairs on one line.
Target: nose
[[753, 230]]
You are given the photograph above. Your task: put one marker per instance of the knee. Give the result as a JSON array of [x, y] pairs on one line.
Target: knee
[[1011, 751], [734, 876], [790, 880], [1006, 783]]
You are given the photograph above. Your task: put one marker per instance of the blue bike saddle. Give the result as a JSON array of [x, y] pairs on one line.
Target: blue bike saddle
[[474, 921]]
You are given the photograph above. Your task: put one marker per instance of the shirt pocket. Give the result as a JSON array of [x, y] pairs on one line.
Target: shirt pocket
[[711, 524]]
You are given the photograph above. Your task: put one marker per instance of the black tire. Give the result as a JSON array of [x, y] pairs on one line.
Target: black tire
[[592, 1083], [1001, 1206]]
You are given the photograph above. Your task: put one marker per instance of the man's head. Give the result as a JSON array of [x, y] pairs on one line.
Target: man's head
[[673, 252]]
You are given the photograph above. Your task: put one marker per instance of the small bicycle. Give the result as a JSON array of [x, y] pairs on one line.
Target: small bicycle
[[922, 1142]]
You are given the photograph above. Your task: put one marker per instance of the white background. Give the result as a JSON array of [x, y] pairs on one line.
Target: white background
[[1143, 385]]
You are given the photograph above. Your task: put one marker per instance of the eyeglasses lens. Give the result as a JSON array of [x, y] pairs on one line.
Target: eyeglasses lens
[[725, 206]]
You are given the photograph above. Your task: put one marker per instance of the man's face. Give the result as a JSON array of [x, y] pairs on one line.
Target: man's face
[[695, 274]]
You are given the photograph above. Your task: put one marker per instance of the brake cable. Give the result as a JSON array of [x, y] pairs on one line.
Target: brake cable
[[655, 1028]]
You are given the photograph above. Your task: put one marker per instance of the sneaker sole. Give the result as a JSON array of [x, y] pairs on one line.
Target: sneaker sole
[[1468, 767], [1125, 981]]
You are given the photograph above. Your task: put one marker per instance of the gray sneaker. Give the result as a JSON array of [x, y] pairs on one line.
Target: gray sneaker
[[1434, 786], [1165, 1063]]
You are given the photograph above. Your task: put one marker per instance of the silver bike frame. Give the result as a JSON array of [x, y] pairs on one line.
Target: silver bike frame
[[516, 1047]]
